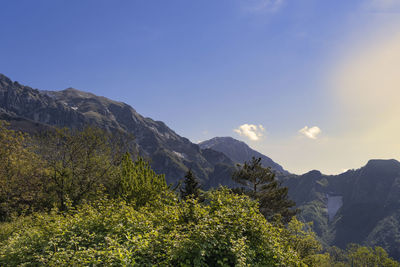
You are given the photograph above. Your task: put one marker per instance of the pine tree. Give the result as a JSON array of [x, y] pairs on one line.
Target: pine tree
[[191, 187], [139, 183], [260, 184]]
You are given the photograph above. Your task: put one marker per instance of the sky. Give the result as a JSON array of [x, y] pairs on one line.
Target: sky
[[312, 84]]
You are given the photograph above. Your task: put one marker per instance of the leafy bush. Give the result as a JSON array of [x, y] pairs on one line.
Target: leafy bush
[[225, 230], [22, 187]]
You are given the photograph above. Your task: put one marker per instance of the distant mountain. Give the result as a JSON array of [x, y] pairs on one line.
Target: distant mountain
[[359, 206], [171, 154], [240, 152]]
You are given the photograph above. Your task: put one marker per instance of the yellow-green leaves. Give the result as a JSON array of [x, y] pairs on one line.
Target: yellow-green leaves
[[21, 173], [139, 183]]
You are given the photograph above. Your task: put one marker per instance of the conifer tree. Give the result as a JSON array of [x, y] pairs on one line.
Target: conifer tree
[[139, 183], [191, 187], [260, 184]]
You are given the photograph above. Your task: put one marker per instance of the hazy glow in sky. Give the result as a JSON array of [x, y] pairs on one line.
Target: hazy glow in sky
[[312, 84]]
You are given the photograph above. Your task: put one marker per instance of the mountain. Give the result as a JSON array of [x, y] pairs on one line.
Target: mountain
[[240, 152], [358, 206], [29, 109]]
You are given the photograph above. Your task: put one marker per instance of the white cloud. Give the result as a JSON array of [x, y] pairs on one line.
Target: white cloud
[[251, 131], [262, 5], [311, 133]]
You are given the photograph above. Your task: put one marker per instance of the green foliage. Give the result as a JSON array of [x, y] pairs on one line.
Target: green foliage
[[230, 231], [61, 165], [227, 230], [21, 173], [366, 256], [260, 184], [78, 163], [301, 237], [190, 187], [356, 256], [138, 182]]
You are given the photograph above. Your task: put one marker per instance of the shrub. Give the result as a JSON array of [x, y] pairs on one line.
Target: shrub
[[225, 230]]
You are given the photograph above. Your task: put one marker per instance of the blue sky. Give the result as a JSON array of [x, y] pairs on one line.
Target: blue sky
[[223, 68]]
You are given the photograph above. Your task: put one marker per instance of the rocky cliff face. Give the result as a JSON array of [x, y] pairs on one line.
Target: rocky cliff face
[[240, 152], [25, 102], [168, 152], [358, 206]]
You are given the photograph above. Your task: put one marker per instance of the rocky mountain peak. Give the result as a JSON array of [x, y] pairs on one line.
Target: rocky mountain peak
[[383, 164], [5, 79], [239, 152], [313, 173], [168, 152], [75, 93]]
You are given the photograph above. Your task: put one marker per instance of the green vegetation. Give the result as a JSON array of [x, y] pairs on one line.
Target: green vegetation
[[77, 163], [77, 199], [138, 183], [260, 184], [227, 231], [355, 255], [22, 182], [190, 187]]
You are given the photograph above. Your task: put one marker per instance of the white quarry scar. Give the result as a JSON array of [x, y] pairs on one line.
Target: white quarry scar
[[333, 205]]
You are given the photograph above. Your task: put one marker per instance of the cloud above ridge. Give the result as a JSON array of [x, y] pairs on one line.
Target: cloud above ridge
[[251, 131], [311, 133]]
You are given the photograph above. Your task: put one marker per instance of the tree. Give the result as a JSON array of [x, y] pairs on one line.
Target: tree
[[191, 187], [79, 163], [260, 184], [367, 256], [21, 173], [138, 182]]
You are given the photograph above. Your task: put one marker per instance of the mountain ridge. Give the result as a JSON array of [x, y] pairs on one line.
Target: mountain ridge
[[169, 153], [240, 152], [367, 201]]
